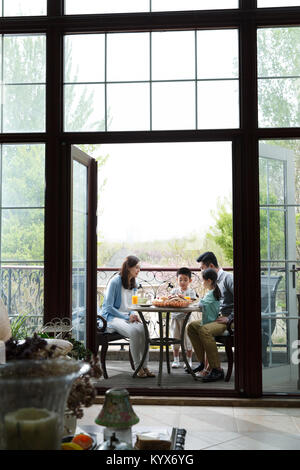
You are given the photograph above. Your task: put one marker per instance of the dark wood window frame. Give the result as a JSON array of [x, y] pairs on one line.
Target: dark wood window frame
[[245, 157]]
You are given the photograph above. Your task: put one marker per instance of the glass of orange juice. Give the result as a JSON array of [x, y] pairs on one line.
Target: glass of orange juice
[[134, 299]]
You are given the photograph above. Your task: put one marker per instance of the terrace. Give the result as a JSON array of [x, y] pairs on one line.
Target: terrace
[[22, 291]]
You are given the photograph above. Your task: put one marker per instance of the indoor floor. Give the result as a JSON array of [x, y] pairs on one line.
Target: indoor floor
[[221, 428]]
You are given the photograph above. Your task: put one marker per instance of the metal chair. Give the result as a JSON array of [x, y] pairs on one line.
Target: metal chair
[[104, 339], [227, 340]]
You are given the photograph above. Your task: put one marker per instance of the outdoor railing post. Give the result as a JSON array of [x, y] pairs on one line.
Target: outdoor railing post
[[9, 291]]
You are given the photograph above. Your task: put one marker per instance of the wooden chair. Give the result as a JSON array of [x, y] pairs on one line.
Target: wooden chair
[[103, 339], [227, 340]]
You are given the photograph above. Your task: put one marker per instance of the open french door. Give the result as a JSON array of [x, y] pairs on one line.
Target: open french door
[[84, 246]]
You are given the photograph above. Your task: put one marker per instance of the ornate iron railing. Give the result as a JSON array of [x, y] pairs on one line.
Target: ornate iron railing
[[22, 291]]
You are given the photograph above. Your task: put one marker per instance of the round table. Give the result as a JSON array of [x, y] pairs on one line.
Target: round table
[[163, 340]]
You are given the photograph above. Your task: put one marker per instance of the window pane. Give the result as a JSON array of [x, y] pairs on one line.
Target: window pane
[[128, 106], [81, 65], [171, 5], [173, 55], [84, 107], [218, 104], [22, 234], [128, 57], [23, 175], [24, 108], [23, 83], [173, 105], [277, 3], [24, 8], [278, 102], [217, 54], [278, 77], [24, 59], [105, 6], [278, 52]]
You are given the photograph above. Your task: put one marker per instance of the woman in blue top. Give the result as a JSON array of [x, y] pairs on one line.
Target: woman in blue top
[[116, 310]]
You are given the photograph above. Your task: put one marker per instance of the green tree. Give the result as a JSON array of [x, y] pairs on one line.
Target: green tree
[[222, 231]]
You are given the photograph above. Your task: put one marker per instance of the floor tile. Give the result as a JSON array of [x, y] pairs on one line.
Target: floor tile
[[203, 440], [259, 411], [208, 422], [260, 441], [266, 423]]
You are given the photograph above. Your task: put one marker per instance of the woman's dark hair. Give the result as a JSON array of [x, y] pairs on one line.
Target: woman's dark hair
[[213, 276], [129, 262]]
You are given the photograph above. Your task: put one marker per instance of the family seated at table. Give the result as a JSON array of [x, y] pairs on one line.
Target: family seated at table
[[216, 306]]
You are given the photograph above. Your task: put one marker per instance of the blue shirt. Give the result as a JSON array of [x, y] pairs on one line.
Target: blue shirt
[[210, 307], [112, 300]]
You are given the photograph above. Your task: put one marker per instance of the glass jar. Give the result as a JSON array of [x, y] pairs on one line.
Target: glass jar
[[33, 400]]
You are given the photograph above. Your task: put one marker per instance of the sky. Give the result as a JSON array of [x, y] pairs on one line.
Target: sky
[[162, 190]]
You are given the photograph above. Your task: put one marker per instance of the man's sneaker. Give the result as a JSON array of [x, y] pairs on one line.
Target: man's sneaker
[[175, 365], [214, 375]]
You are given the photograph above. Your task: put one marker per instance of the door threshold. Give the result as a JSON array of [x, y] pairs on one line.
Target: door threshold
[[276, 402]]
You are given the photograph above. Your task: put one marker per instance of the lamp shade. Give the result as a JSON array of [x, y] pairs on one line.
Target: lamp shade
[[117, 411]]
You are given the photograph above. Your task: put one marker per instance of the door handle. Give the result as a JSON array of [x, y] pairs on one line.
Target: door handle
[[294, 270]]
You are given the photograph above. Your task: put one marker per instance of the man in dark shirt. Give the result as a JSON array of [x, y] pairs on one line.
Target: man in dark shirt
[[203, 336]]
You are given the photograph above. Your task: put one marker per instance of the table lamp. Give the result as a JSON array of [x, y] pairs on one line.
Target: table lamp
[[117, 415]]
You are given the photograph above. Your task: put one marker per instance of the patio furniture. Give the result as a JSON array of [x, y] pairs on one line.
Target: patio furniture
[[59, 328], [227, 340], [269, 285], [163, 340], [104, 339]]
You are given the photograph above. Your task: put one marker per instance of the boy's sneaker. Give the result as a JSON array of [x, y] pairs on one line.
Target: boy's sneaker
[[190, 364], [175, 365]]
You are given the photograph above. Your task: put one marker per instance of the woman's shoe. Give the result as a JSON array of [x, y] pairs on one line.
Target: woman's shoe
[[142, 374], [148, 372]]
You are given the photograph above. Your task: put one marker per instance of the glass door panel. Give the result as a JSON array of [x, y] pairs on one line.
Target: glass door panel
[[79, 250], [84, 205], [279, 163]]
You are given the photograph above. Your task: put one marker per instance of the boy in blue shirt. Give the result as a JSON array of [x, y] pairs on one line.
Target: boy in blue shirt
[[184, 279]]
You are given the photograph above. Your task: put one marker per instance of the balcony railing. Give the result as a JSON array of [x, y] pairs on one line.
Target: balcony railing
[[22, 290]]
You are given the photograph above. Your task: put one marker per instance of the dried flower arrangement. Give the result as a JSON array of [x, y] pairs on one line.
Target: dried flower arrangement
[[83, 392]]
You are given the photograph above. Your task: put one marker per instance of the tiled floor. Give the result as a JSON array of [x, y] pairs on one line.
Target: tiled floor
[[222, 428]]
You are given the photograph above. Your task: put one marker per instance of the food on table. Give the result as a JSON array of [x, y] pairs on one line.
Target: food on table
[[172, 301], [70, 446], [83, 440]]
